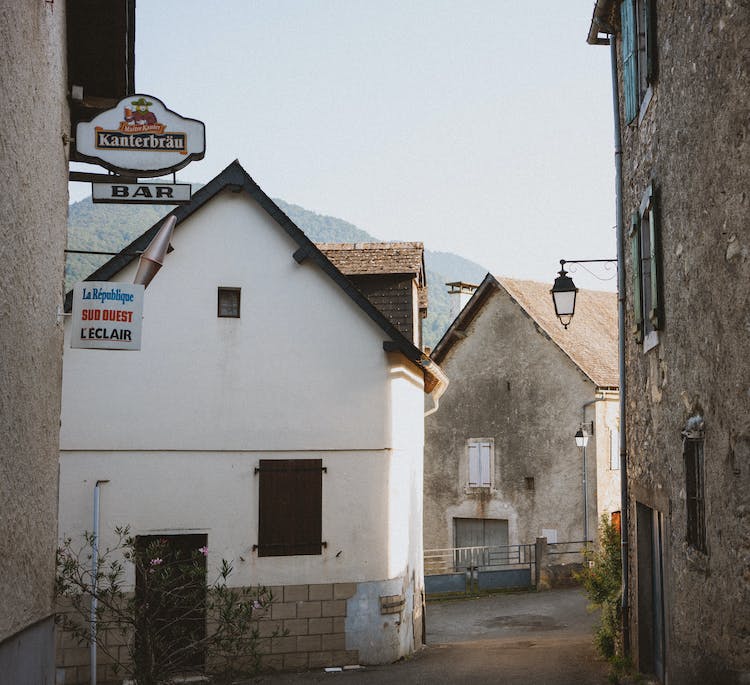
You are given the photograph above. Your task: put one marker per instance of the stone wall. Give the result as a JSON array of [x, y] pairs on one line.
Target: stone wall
[[33, 177], [304, 628], [510, 383], [693, 143]]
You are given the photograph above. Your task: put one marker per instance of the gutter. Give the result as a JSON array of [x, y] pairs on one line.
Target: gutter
[[441, 383], [601, 22]]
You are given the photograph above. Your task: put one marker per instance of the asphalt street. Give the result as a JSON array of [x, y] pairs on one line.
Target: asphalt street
[[525, 638]]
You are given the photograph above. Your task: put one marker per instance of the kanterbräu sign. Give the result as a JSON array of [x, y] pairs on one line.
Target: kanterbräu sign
[[106, 315], [141, 137]]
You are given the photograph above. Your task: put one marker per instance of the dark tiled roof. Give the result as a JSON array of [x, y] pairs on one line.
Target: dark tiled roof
[[590, 341], [365, 259], [376, 258]]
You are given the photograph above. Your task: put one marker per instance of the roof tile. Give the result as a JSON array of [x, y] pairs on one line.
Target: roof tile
[[591, 337]]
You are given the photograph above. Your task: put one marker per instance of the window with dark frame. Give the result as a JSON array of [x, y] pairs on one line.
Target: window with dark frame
[[646, 265], [290, 507], [638, 55], [694, 489], [229, 303]]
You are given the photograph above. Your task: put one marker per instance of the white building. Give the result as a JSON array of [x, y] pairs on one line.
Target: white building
[[271, 408]]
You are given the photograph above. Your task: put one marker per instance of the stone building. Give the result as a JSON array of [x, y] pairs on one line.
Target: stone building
[[683, 87], [501, 463], [41, 56]]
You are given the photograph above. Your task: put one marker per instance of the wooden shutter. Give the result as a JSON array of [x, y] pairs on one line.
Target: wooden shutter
[[485, 461], [290, 507], [480, 464], [629, 59], [475, 472], [655, 259], [650, 30], [635, 251]]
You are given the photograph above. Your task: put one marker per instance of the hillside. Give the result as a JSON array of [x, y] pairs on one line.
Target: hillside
[[110, 227]]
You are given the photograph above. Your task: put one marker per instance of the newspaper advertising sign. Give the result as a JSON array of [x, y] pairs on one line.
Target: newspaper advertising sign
[[106, 315], [141, 137]]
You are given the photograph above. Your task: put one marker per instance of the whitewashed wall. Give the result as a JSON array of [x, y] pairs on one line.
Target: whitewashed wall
[[302, 369], [607, 478], [178, 428], [217, 493]]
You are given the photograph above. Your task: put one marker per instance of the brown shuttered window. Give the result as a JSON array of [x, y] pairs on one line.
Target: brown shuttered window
[[290, 507]]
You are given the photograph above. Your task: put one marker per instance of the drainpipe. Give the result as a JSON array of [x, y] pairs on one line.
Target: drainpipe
[[94, 569], [599, 21], [624, 502]]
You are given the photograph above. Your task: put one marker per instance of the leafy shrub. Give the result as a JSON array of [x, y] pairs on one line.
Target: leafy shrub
[[175, 623], [602, 579]]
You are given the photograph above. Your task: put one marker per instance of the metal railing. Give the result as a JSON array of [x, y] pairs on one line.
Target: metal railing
[[571, 552], [454, 559]]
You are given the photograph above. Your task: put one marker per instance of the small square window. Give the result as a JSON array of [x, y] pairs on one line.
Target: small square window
[[529, 482], [229, 302]]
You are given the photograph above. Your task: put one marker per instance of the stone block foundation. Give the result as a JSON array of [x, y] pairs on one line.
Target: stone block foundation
[[304, 628]]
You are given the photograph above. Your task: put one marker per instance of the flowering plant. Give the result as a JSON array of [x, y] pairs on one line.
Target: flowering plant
[[175, 623]]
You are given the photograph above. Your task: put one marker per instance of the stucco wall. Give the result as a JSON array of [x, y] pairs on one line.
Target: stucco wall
[[607, 425], [694, 142], [510, 383], [179, 427], [302, 368], [33, 177], [217, 493]]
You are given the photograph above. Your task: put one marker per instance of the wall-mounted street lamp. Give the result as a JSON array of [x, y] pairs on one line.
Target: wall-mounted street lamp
[[582, 439], [564, 290], [564, 296]]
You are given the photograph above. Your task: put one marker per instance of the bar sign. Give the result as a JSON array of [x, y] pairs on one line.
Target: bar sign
[[142, 193]]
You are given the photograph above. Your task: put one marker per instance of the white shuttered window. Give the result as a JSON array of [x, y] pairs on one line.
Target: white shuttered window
[[480, 463]]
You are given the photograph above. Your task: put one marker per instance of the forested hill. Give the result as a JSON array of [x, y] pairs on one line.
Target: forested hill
[[110, 227]]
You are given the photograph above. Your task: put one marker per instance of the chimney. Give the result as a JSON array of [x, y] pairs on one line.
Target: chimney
[[460, 293]]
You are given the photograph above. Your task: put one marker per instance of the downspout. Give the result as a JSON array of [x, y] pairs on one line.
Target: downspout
[[94, 571], [601, 11], [624, 502], [585, 485]]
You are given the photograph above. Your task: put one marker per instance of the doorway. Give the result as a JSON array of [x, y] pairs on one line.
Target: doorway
[[650, 581], [480, 532], [171, 586]]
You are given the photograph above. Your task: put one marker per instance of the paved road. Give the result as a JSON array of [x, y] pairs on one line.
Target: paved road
[[514, 639]]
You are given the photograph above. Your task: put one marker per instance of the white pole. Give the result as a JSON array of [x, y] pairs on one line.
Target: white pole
[[94, 569]]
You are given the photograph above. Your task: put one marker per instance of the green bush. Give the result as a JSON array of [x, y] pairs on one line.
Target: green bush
[[602, 579], [175, 623]]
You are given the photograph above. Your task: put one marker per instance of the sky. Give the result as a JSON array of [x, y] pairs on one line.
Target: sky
[[479, 127]]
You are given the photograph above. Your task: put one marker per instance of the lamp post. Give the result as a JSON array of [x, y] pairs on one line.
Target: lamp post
[[582, 439], [564, 293]]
